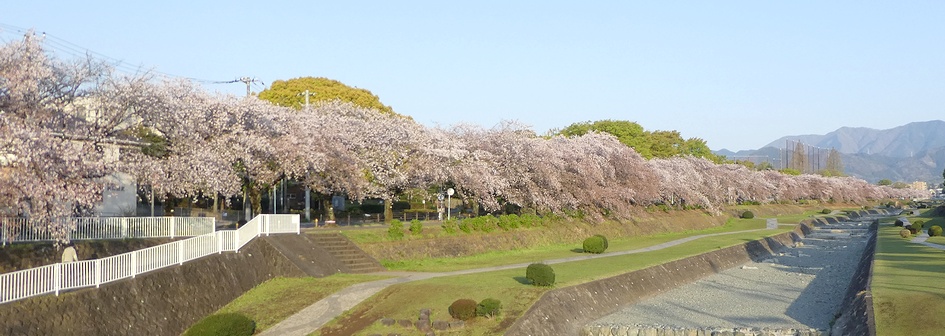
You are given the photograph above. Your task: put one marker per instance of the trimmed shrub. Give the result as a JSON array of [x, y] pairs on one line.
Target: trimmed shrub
[[606, 242], [825, 211], [935, 230], [228, 324], [463, 309], [449, 226], [748, 215], [595, 244], [905, 233], [488, 308], [540, 274], [396, 230], [416, 227], [899, 222], [918, 225]]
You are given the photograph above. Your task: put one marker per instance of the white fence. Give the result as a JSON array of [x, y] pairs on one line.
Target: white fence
[[19, 229], [63, 276]]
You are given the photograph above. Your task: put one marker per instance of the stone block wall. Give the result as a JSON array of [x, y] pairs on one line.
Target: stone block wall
[[163, 302]]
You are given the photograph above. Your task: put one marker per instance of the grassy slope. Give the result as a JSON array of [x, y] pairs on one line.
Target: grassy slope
[[908, 286], [555, 251], [276, 299], [404, 300]]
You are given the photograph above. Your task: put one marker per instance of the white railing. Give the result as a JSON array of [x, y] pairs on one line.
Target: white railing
[[87, 273], [19, 229]]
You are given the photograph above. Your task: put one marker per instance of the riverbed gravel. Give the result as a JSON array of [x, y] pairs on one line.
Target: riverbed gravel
[[799, 287]]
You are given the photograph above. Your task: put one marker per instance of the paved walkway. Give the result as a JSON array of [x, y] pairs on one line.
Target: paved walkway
[[921, 239], [309, 319]]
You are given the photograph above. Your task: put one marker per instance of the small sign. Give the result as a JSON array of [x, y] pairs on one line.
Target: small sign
[[772, 223]]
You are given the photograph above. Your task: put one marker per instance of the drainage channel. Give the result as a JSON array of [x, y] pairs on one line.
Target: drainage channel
[[797, 291]]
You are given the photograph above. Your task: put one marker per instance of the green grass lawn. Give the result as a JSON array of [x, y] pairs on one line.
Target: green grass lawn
[[937, 240], [908, 286], [555, 251], [276, 299], [403, 301]]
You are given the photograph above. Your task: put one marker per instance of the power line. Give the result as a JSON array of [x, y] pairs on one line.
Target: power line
[[75, 50]]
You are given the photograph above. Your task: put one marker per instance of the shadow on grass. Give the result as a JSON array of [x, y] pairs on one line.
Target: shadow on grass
[[577, 250], [522, 280]]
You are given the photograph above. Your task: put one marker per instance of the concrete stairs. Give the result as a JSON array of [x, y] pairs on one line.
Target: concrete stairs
[[354, 259]]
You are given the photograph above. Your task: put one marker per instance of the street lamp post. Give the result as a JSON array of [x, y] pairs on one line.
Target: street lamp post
[[449, 203]]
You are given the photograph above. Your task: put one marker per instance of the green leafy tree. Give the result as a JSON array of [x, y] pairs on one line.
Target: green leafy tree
[[884, 182], [627, 132], [655, 144], [290, 93], [834, 163]]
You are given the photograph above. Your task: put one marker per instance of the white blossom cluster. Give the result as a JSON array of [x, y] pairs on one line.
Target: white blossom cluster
[[52, 161]]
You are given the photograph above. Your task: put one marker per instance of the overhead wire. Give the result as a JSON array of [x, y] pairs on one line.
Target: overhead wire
[[75, 50]]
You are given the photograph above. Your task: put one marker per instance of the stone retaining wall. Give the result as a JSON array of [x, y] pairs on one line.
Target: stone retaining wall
[[566, 310], [163, 302]]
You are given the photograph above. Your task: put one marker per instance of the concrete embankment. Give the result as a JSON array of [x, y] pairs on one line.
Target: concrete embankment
[[567, 311]]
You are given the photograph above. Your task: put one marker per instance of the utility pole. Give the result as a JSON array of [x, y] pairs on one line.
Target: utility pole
[[308, 191], [248, 81]]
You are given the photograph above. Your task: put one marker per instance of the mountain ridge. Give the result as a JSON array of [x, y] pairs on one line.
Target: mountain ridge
[[911, 152]]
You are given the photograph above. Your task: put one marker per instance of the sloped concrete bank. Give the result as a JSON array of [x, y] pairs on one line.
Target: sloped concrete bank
[[163, 302], [565, 311], [856, 316]]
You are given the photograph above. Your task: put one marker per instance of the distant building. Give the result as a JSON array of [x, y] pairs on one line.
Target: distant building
[[919, 185]]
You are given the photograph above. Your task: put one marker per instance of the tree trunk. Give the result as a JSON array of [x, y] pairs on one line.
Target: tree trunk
[[329, 209], [388, 210]]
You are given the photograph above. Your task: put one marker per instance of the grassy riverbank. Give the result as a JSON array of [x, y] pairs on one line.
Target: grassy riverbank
[[908, 291]]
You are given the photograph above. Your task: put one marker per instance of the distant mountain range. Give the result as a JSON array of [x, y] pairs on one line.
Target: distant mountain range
[[907, 153]]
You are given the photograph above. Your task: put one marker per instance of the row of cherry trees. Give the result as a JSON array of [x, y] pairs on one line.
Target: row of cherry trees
[[57, 118]]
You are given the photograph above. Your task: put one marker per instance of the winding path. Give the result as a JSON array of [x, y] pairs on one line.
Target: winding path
[[311, 318]]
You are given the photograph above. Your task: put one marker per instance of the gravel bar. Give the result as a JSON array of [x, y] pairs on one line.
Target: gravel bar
[[801, 287]]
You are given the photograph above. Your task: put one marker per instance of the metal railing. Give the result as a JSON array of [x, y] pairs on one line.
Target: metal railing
[[87, 273], [13, 230]]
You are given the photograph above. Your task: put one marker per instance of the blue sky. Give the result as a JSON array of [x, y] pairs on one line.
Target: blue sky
[[738, 74]]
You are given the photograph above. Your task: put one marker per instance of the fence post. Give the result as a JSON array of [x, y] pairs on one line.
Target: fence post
[[180, 252], [267, 219], [98, 272], [218, 235], [297, 221], [236, 247], [124, 227], [134, 264], [58, 274], [173, 226]]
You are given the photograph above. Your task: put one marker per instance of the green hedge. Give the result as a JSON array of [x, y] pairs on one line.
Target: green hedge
[[540, 274], [595, 244], [228, 324], [463, 309]]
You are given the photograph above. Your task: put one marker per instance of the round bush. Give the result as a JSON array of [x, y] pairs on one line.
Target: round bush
[[228, 324], [595, 244], [748, 215], [935, 230], [825, 211], [488, 308], [606, 243], [899, 222], [918, 225], [905, 233], [540, 274], [396, 230], [463, 309]]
